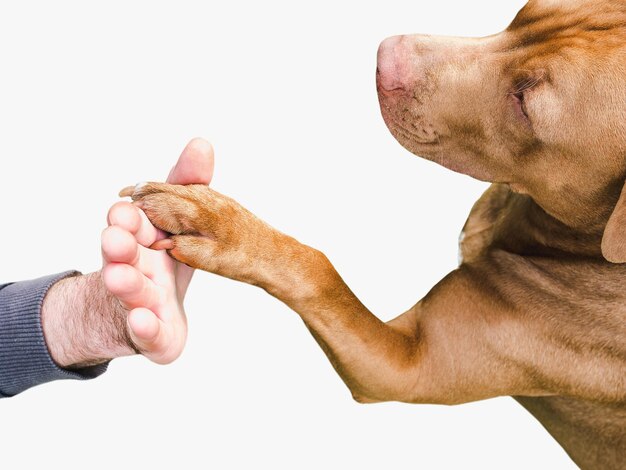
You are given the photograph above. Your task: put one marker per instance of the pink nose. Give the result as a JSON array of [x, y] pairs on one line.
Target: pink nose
[[392, 73]]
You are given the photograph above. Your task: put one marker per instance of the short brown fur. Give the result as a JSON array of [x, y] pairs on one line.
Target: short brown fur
[[535, 310]]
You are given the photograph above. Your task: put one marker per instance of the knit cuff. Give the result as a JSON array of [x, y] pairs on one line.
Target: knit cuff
[[24, 357]]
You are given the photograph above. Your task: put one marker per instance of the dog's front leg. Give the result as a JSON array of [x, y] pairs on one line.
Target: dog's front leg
[[476, 335], [214, 233]]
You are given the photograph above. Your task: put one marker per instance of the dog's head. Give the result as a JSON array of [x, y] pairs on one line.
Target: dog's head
[[540, 106]]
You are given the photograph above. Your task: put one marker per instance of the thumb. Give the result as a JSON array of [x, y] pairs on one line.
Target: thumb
[[195, 164]]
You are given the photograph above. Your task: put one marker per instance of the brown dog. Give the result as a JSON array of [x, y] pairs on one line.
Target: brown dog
[[537, 309]]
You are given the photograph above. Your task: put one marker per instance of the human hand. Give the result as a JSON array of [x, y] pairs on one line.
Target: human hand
[[135, 304]]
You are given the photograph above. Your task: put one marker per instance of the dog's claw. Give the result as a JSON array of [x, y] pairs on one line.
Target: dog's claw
[[129, 191], [164, 244]]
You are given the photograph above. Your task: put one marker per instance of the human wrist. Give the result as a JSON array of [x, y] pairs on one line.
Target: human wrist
[[83, 324]]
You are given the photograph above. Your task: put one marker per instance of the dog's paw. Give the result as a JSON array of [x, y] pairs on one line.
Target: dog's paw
[[181, 210], [173, 209], [209, 231]]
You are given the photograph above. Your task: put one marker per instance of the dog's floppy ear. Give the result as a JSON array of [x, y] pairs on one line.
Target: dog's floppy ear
[[614, 238]]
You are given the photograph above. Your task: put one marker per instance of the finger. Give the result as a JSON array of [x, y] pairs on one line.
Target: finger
[[119, 246], [145, 329], [126, 215], [147, 233], [150, 335], [130, 286], [195, 164]]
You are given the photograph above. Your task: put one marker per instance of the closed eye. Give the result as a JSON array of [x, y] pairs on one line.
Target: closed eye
[[519, 101], [520, 94]]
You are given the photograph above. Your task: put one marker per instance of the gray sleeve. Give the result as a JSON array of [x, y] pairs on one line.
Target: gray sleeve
[[24, 357]]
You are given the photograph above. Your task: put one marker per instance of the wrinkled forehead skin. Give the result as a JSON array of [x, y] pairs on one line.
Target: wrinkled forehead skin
[[578, 49]]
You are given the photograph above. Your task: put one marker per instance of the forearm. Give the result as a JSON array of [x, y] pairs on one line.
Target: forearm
[[213, 232], [25, 359], [377, 361], [83, 324]]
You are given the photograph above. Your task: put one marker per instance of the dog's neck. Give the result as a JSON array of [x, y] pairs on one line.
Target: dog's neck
[[570, 224], [573, 201]]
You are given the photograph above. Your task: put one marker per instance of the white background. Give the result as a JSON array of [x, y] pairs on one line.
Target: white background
[[94, 97]]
